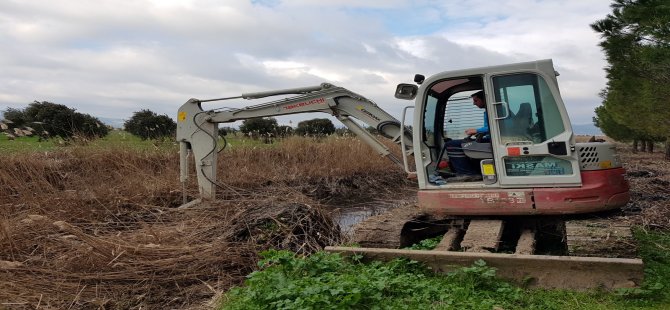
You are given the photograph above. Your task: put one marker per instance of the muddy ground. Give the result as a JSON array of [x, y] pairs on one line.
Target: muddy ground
[[89, 230]]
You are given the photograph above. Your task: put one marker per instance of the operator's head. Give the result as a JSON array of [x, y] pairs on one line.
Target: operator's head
[[478, 99]]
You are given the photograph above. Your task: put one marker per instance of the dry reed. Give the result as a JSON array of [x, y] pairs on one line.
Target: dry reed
[[99, 229]]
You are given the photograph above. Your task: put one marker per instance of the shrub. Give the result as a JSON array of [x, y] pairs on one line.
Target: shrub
[[315, 127], [148, 125], [51, 120], [259, 126]]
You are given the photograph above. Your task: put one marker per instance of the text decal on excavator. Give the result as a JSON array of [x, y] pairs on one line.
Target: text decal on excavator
[[366, 112], [491, 198], [305, 103]]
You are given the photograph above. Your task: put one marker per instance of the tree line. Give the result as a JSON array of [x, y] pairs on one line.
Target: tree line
[[49, 120], [269, 126], [636, 100]]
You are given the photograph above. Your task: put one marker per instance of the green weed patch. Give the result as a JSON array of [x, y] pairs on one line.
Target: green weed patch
[[328, 281]]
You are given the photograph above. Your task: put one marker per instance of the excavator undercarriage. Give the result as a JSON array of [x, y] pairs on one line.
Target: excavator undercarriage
[[549, 252]]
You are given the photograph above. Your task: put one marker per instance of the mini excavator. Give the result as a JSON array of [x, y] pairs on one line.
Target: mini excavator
[[517, 215]]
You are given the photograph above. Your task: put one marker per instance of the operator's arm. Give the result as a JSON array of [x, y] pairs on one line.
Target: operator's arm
[[484, 129]]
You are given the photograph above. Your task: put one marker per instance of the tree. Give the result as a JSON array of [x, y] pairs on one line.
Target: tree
[[224, 131], [636, 41], [610, 127], [315, 127], [284, 131], [259, 126], [89, 126], [57, 120], [148, 125], [17, 116], [621, 132]]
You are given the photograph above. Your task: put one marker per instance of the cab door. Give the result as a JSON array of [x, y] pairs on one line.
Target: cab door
[[533, 139]]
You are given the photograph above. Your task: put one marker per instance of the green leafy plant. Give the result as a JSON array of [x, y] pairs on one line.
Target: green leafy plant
[[328, 281], [426, 244]]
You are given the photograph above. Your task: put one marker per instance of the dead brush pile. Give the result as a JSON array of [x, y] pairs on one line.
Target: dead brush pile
[[649, 177], [99, 229]]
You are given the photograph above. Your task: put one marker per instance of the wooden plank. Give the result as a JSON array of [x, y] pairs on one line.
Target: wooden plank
[[526, 243], [566, 272], [449, 241], [482, 236]]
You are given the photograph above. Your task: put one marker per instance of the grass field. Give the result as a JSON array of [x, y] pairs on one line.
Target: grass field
[[115, 139], [94, 224]]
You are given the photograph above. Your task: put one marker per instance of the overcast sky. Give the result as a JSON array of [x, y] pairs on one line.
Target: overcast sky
[[110, 58]]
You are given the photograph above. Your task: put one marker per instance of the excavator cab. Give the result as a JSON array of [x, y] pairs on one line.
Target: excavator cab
[[529, 161], [530, 141]]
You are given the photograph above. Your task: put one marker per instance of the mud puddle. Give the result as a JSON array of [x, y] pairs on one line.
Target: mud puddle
[[349, 217], [349, 214]]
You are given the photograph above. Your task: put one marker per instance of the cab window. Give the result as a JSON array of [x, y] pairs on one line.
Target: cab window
[[429, 121], [532, 113], [461, 114]]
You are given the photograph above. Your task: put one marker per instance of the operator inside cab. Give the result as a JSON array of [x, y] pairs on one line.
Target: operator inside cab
[[464, 168]]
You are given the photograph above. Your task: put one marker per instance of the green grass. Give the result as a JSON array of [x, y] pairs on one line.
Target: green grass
[[115, 139], [24, 144], [327, 281]]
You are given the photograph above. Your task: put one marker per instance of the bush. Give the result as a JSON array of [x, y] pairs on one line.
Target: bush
[[51, 120], [284, 131], [148, 125], [315, 127], [17, 117], [259, 126], [224, 131]]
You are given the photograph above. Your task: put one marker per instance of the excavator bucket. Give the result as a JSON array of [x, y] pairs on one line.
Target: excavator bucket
[[546, 271]]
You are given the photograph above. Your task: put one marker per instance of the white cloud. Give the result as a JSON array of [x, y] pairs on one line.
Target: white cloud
[[414, 46], [111, 58]]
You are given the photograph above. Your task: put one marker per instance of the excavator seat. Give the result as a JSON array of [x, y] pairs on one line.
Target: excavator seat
[[517, 125], [478, 150], [522, 120]]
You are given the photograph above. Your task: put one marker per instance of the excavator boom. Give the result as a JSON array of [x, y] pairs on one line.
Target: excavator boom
[[197, 129]]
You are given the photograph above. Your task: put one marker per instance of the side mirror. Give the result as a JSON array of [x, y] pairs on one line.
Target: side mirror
[[406, 91], [419, 78]]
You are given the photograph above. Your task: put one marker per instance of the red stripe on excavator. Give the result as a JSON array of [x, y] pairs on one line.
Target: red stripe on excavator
[[601, 190]]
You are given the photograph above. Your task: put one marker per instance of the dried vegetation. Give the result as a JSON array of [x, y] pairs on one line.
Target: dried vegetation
[[649, 177], [100, 229]]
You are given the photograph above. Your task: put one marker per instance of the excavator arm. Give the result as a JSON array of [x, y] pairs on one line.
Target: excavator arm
[[197, 129]]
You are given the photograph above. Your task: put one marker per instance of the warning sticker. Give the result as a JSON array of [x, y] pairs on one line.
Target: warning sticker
[[488, 169]]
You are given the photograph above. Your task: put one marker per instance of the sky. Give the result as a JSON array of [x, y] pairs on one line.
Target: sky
[[110, 58]]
